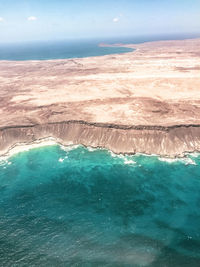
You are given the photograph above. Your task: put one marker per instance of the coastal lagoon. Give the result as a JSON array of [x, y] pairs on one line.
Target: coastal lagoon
[[77, 206]]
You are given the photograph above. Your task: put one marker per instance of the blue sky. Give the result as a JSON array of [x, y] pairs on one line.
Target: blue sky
[[22, 20]]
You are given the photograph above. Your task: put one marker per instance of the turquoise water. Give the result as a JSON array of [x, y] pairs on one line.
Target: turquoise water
[[84, 207]]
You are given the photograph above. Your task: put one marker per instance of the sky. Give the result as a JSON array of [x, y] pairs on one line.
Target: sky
[[26, 20]]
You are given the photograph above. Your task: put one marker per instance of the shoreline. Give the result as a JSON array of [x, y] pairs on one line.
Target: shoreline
[[125, 47], [23, 147], [46, 142]]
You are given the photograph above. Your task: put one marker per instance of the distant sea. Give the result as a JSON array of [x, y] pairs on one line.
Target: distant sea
[[47, 50], [85, 207]]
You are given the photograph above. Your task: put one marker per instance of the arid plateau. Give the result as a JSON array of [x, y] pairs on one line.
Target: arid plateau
[[145, 101]]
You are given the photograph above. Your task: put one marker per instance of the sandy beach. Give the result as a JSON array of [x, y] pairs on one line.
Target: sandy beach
[[145, 101]]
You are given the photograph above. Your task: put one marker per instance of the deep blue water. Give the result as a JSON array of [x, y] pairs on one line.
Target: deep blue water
[[75, 48], [85, 207]]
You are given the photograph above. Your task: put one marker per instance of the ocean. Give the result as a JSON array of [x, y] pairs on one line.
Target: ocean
[[77, 206], [62, 49], [57, 50]]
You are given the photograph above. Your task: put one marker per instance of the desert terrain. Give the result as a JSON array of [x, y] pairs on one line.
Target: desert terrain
[[145, 101]]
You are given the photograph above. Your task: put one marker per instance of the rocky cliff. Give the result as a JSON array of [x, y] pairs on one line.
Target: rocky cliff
[[166, 141]]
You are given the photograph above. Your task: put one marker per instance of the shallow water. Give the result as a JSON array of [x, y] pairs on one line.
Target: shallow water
[[85, 207]]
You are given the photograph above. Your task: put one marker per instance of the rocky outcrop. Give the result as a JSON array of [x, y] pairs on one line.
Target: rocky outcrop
[[165, 141]]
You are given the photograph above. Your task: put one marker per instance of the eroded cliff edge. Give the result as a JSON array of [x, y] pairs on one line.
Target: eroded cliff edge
[[146, 101], [165, 141]]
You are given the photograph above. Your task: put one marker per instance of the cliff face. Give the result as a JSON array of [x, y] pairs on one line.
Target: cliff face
[[166, 141]]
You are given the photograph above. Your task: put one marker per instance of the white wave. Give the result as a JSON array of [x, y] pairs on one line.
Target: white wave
[[186, 161], [91, 149], [125, 158], [61, 160], [145, 155], [189, 161], [195, 154], [169, 160], [129, 161], [3, 161], [114, 155], [68, 148]]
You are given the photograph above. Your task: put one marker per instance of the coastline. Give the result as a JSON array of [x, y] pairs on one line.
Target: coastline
[[165, 141], [100, 52], [146, 101], [24, 147]]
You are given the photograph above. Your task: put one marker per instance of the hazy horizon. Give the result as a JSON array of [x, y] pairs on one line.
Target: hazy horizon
[[108, 40], [34, 20]]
